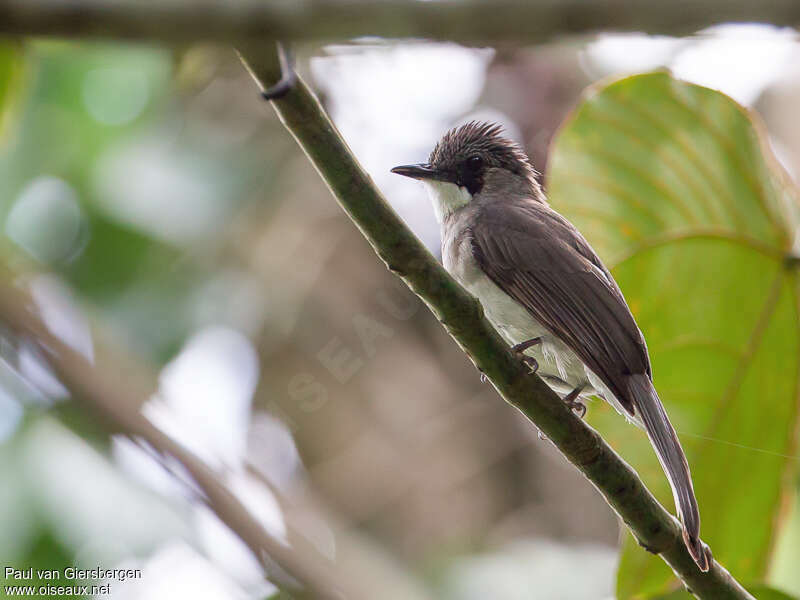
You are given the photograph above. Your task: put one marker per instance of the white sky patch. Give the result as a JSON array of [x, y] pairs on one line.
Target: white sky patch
[[10, 415], [66, 322], [176, 571], [272, 451], [108, 526], [164, 475], [741, 60], [157, 187], [61, 315], [226, 549], [534, 569], [392, 103], [628, 53], [205, 395], [33, 367], [204, 403]]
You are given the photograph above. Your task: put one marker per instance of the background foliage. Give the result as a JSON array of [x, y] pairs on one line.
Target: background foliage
[[158, 189]]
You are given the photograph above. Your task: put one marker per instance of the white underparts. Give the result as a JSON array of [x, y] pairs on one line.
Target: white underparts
[[446, 197]]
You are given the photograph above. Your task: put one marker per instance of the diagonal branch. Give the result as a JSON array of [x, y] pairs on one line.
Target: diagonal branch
[[471, 21], [98, 390], [462, 316]]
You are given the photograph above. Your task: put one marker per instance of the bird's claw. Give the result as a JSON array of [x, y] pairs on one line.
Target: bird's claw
[[484, 378], [519, 350], [571, 400], [531, 362], [578, 407]]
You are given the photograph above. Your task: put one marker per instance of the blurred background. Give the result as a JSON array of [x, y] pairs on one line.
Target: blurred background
[[151, 194]]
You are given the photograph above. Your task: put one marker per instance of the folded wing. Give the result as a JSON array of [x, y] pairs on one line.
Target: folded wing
[[544, 263]]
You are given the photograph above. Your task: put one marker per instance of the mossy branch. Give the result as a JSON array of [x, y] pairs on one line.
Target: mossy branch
[[655, 528]]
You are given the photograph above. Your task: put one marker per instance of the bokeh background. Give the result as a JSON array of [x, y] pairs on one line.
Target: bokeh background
[[147, 192]]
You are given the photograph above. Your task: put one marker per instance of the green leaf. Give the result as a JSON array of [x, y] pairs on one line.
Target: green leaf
[[11, 70], [675, 188]]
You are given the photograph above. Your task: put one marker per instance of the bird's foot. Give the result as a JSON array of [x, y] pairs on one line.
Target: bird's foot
[[531, 362], [571, 400], [578, 407], [519, 350], [484, 378]]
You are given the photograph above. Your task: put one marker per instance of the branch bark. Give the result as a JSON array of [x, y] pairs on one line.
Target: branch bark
[[471, 21], [461, 314]]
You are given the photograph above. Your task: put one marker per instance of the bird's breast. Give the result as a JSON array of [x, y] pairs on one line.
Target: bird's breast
[[508, 316]]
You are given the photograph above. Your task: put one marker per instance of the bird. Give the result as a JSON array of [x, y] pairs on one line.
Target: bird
[[543, 287]]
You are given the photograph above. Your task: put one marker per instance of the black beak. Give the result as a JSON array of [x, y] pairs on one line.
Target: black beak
[[422, 171]]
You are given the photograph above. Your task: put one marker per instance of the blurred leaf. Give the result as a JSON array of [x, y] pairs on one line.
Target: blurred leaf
[[46, 554], [11, 68], [674, 187], [113, 259]]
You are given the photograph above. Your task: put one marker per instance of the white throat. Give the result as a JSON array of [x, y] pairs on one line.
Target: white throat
[[446, 197]]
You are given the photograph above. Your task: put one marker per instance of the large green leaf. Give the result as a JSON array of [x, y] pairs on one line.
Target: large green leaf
[[11, 68], [761, 592], [675, 188]]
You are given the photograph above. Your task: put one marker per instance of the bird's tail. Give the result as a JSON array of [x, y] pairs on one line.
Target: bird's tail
[[670, 454]]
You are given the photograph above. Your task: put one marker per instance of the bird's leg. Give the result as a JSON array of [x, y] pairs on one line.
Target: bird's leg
[[522, 346], [519, 350], [288, 76], [572, 401]]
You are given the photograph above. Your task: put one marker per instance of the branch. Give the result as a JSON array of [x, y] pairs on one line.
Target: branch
[[471, 21], [461, 314], [99, 390]]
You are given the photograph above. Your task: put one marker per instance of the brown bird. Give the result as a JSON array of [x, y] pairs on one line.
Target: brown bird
[[547, 292]]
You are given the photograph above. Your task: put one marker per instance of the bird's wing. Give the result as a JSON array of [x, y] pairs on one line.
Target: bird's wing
[[538, 258]]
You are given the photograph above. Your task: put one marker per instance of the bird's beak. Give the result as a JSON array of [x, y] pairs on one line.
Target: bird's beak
[[422, 171]]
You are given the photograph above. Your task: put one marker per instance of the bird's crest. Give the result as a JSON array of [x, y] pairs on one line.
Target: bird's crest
[[486, 140]]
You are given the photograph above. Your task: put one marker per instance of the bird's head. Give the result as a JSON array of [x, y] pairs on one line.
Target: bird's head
[[473, 160]]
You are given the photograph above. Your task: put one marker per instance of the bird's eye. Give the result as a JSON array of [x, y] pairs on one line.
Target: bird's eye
[[474, 163]]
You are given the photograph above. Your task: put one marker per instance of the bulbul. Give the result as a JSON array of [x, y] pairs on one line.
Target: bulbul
[[547, 292]]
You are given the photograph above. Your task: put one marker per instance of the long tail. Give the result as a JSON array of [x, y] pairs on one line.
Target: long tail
[[670, 454]]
